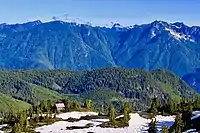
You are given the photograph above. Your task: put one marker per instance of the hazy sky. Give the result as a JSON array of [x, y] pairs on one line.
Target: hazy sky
[[127, 12]]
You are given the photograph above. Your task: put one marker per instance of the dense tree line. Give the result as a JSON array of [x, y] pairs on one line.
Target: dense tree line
[[134, 84]]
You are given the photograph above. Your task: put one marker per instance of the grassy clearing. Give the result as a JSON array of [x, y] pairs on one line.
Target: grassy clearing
[[10, 104]]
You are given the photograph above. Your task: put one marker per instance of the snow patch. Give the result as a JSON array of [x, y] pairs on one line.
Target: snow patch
[[88, 33], [75, 115], [179, 36], [194, 83], [2, 126], [191, 131], [85, 49], [137, 124], [153, 34], [176, 26], [196, 114]]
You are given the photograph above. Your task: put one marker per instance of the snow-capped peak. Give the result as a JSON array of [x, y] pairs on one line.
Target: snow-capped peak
[[179, 36], [73, 20], [79, 21]]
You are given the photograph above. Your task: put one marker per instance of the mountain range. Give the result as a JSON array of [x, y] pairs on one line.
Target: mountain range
[[67, 45]]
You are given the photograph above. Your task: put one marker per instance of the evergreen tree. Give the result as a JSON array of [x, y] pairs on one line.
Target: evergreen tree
[[49, 105], [43, 106], [88, 103], [22, 120], [67, 105], [190, 107], [132, 108], [197, 103], [178, 124], [76, 105], [46, 117], [173, 107], [54, 109], [153, 109], [126, 111], [102, 111], [182, 106], [10, 118], [186, 118], [16, 128], [126, 116], [126, 106], [38, 110], [152, 126], [26, 123], [112, 114], [156, 101], [31, 112], [165, 129], [50, 114], [37, 117]]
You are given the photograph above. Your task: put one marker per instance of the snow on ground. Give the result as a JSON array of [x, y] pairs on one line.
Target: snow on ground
[[1, 126], [179, 36], [191, 131], [196, 114], [164, 121], [153, 34], [4, 125], [3, 132], [137, 124], [75, 114]]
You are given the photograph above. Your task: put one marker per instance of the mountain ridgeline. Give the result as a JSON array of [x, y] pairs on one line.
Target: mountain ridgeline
[[103, 86], [63, 45]]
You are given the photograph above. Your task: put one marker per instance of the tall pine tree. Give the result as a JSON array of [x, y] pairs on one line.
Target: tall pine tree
[[112, 114], [152, 126], [154, 107], [88, 104], [126, 111], [178, 124], [164, 129]]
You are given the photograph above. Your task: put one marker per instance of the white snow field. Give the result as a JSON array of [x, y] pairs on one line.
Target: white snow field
[[191, 131], [75, 114], [1, 126], [196, 114], [137, 124]]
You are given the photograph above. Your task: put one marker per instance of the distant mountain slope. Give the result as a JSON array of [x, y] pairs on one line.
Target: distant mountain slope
[[122, 84], [193, 79], [62, 45], [10, 104], [19, 87]]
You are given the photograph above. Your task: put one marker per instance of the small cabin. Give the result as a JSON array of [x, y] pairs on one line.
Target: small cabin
[[60, 106]]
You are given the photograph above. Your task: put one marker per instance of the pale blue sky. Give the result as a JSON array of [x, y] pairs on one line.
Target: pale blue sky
[[127, 12]]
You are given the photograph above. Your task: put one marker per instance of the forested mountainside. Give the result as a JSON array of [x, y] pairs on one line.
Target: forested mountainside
[[101, 85], [63, 45]]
